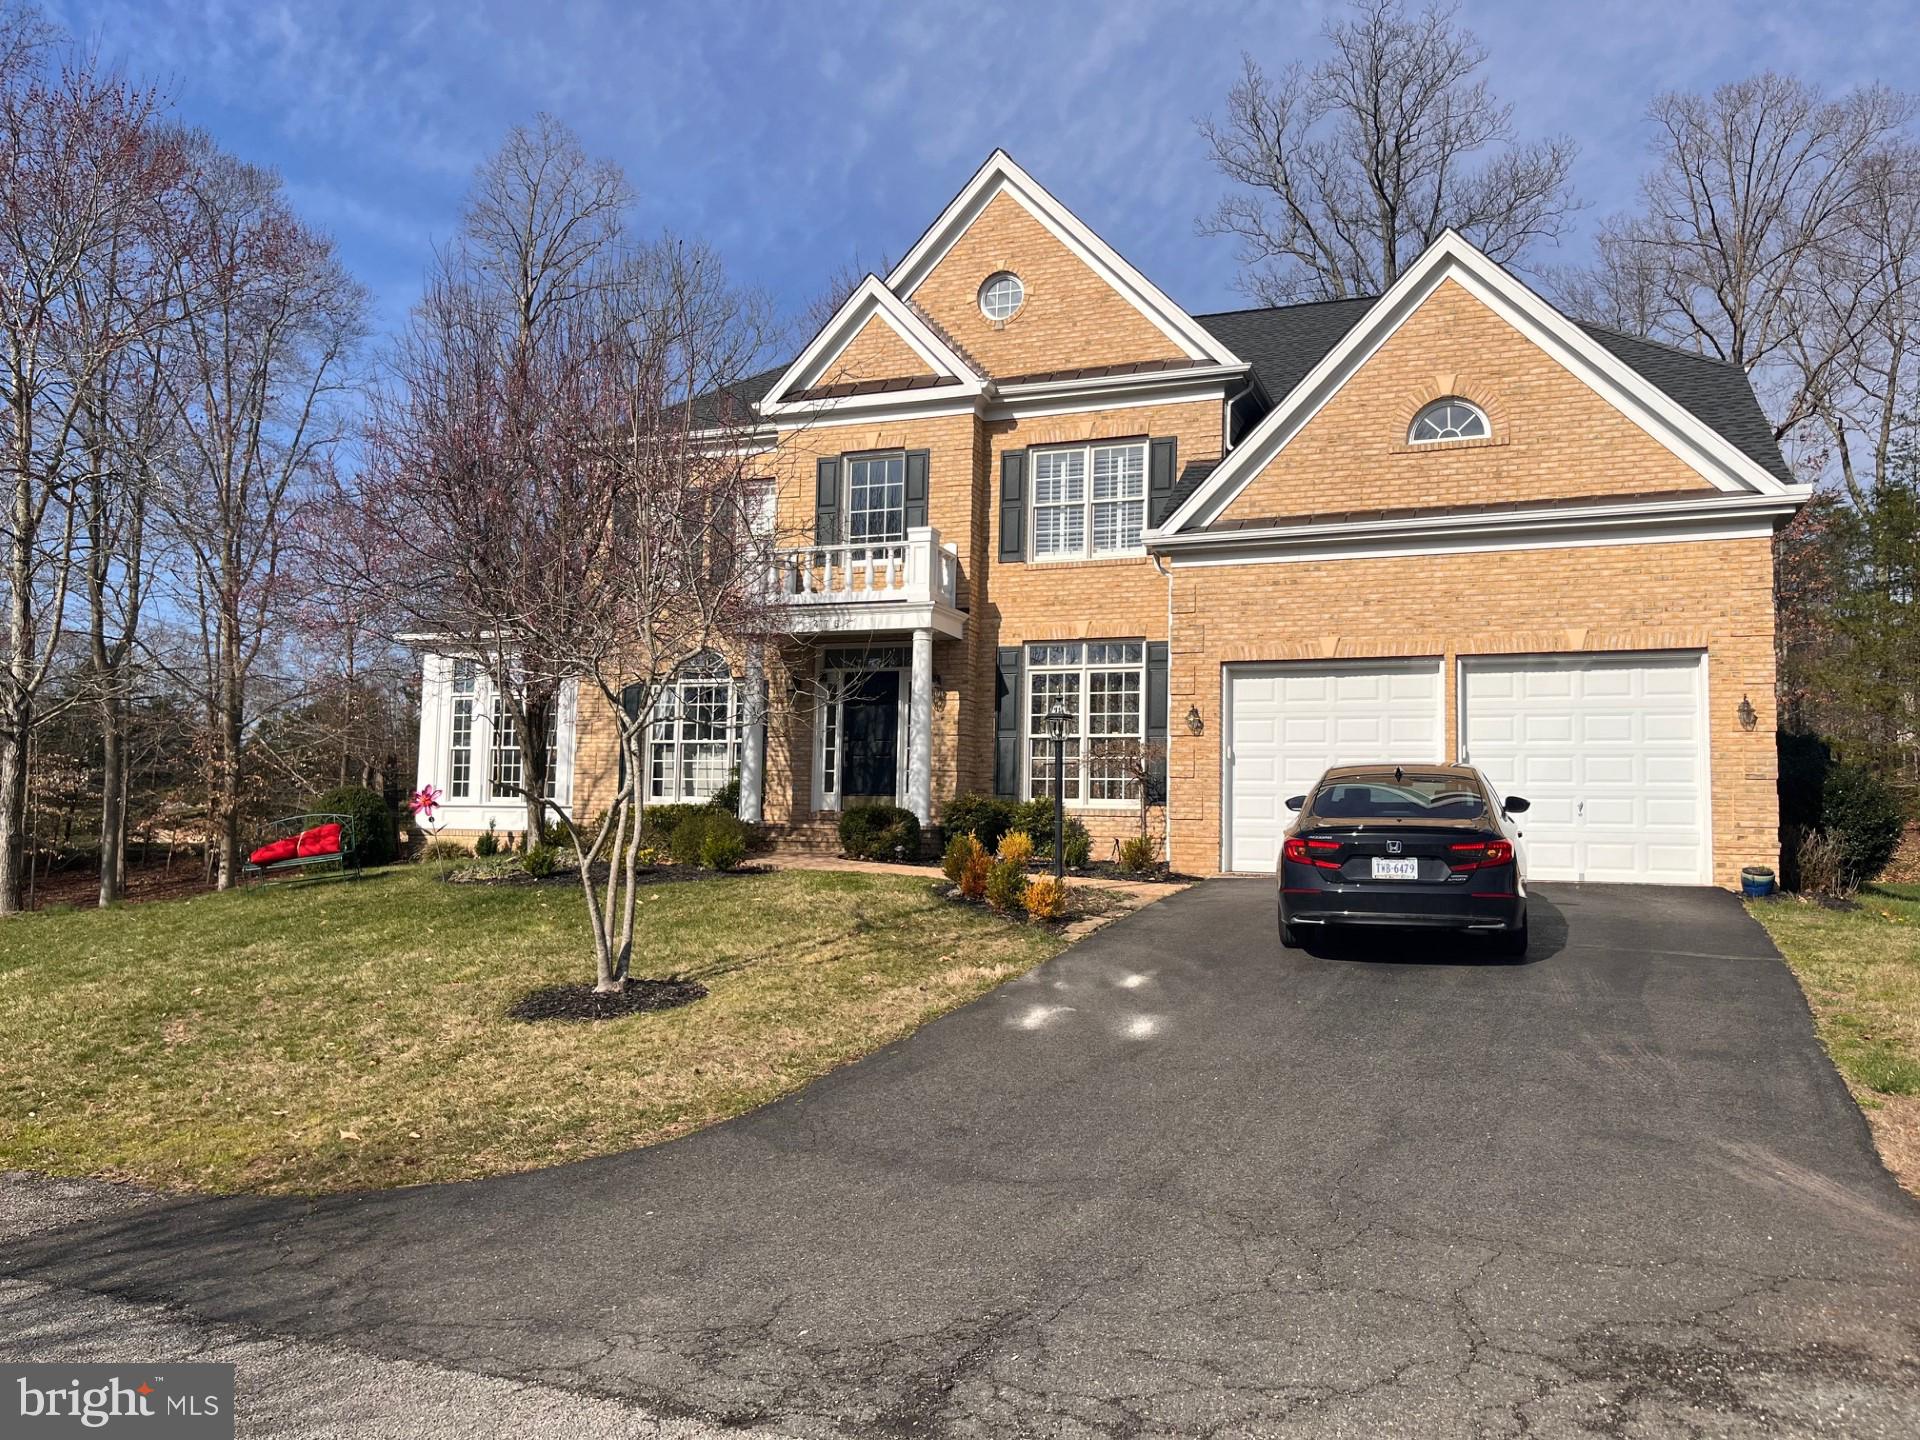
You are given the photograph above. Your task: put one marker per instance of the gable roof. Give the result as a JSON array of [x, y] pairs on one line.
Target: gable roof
[[1613, 373], [1001, 176], [808, 380]]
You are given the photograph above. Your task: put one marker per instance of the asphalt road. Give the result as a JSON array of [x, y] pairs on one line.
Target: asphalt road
[[1179, 1182]]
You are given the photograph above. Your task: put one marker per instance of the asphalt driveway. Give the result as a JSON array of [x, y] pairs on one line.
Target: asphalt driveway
[[1179, 1181]]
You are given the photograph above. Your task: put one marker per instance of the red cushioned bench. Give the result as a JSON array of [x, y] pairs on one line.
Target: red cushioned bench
[[303, 840]]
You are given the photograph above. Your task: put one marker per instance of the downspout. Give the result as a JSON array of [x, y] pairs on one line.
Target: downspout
[[1166, 800]]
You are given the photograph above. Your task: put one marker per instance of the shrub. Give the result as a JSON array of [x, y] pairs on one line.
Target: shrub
[[1016, 848], [973, 877], [1005, 884], [726, 799], [1036, 818], [1045, 898], [1076, 846], [879, 832], [1820, 865], [488, 845], [723, 844], [555, 836], [960, 851], [373, 822], [1860, 812], [541, 861], [437, 851], [985, 817], [646, 857], [658, 822], [1139, 854], [689, 834]]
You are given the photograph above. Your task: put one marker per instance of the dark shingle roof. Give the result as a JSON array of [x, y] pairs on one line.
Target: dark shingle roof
[[1284, 342], [734, 405]]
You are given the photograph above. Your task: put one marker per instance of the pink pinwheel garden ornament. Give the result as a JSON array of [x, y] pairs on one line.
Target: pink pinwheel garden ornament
[[425, 803]]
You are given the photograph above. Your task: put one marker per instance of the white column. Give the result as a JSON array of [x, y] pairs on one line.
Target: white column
[[753, 748], [920, 729]]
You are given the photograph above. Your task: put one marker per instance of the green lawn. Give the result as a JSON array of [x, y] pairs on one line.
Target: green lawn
[[1861, 971], [332, 1035]]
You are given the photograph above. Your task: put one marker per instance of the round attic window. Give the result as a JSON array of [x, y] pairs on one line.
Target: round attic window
[[1002, 295]]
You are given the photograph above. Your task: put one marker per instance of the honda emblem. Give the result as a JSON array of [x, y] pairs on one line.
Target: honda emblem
[[1393, 847]]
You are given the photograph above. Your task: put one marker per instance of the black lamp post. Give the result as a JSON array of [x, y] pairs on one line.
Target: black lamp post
[[1057, 728]]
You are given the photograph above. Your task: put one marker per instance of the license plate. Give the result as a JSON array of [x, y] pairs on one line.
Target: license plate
[[1395, 869]]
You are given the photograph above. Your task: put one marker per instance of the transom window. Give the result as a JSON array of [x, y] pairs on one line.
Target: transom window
[[1001, 295], [1089, 500], [1102, 686], [1451, 419], [695, 740], [876, 499]]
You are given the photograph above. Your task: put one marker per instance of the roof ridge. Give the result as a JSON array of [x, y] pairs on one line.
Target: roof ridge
[[1292, 305]]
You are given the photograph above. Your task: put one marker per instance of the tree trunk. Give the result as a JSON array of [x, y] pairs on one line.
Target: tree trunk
[[113, 799], [13, 807]]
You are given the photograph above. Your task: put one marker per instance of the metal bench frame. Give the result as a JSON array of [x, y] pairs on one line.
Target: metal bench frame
[[347, 858]]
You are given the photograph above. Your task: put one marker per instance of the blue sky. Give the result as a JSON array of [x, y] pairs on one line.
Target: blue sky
[[799, 136]]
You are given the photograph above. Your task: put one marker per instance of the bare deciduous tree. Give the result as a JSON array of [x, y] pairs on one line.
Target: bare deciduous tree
[[263, 360], [87, 164], [1353, 167]]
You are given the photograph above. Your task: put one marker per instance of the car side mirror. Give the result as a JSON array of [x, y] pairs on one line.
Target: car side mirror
[[1515, 805], [1294, 802]]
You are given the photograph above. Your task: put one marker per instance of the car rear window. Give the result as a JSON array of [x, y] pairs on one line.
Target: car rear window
[[1412, 797]]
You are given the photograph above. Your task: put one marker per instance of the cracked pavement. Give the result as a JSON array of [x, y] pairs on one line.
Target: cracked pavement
[[1176, 1182]]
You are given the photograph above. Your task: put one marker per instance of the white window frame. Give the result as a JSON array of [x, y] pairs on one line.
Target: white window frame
[[880, 544], [666, 732], [1088, 504], [462, 727], [988, 284], [458, 704], [1081, 659], [1486, 425]]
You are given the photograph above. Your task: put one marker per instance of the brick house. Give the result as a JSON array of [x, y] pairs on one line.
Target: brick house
[[1444, 522]]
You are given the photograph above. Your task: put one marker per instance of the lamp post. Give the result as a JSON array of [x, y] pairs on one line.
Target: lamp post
[[1057, 728]]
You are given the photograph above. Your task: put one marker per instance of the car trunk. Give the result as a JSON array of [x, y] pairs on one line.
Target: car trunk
[[1435, 848]]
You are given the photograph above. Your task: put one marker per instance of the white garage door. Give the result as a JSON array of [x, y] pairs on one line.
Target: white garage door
[[1611, 751], [1288, 722]]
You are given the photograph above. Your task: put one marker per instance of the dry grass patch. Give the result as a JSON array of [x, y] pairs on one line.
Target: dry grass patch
[[1860, 968], [329, 1035]]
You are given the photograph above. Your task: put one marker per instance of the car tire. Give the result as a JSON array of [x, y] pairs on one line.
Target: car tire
[[1289, 937], [1513, 943]]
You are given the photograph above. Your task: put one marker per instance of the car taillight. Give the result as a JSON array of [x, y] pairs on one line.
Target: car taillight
[[1480, 854], [1300, 850]]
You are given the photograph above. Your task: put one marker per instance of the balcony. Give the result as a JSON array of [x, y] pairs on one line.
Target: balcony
[[898, 585]]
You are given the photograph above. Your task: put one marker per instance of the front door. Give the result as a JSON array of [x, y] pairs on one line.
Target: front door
[[870, 748]]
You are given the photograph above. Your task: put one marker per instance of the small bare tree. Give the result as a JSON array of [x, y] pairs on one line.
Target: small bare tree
[[1353, 167]]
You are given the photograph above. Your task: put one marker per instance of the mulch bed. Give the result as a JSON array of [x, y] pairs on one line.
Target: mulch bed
[[583, 1002]]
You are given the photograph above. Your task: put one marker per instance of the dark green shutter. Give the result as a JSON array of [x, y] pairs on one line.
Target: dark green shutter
[[916, 490], [1006, 724], [1013, 505], [629, 702], [1163, 461], [826, 503], [1157, 706]]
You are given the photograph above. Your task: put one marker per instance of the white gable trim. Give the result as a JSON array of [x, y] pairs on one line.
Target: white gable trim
[[1696, 444], [999, 175], [869, 300]]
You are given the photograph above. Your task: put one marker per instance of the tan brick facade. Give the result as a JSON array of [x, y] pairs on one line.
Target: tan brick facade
[[1553, 437], [1070, 316]]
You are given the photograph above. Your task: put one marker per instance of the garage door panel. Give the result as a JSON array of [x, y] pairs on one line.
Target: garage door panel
[[1608, 748], [1292, 721]]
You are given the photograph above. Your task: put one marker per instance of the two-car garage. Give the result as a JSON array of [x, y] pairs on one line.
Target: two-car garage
[[1611, 750]]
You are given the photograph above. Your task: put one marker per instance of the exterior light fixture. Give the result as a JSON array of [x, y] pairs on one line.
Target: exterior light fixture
[[1057, 729], [1194, 722], [1748, 716]]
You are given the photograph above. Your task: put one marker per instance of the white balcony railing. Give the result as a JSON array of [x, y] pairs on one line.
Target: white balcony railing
[[915, 571]]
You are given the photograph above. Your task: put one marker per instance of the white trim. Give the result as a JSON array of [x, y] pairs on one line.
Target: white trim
[[1000, 174], [1639, 522], [869, 299], [1703, 694], [507, 812], [1689, 439], [1094, 387], [1411, 664]]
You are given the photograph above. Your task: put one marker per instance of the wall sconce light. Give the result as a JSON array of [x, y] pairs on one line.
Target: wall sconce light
[[1748, 716], [1194, 722]]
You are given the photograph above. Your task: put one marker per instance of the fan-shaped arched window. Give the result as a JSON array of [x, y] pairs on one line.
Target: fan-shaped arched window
[[1449, 419]]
